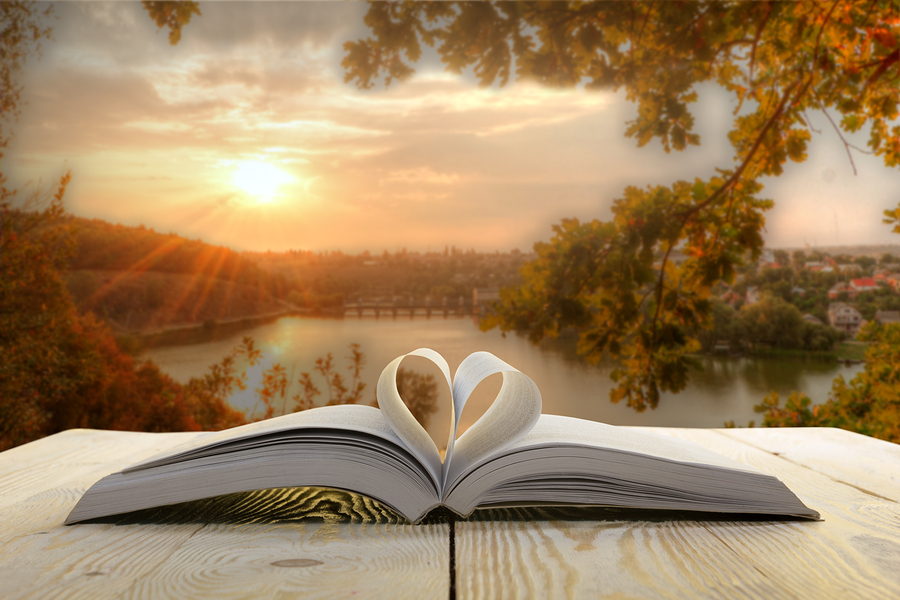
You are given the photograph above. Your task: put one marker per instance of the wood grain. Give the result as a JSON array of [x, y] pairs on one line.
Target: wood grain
[[866, 463], [312, 560], [284, 542], [312, 542], [853, 553], [83, 452]]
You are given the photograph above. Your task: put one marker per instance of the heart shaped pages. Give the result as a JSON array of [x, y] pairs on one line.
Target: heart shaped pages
[[512, 414]]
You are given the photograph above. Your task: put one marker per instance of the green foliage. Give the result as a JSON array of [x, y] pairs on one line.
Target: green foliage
[[36, 314], [770, 327], [207, 396], [62, 369], [724, 327], [773, 323], [892, 217], [419, 392], [23, 26], [615, 282], [173, 15], [827, 56], [868, 404], [339, 392], [105, 246]]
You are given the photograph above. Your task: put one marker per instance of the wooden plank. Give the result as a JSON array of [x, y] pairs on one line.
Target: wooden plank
[[85, 455], [837, 502], [322, 542], [854, 553], [267, 543], [43, 480], [309, 560], [866, 463]]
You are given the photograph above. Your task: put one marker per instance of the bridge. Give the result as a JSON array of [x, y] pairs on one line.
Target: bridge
[[412, 306]]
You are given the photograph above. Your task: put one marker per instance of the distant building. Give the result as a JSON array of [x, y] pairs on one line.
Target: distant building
[[819, 267], [752, 296], [798, 291], [811, 319], [894, 281], [731, 297], [866, 284], [844, 317], [848, 268], [887, 316], [841, 286]]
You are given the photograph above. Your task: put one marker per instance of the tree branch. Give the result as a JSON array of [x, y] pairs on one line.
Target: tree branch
[[837, 129], [885, 64], [759, 30], [716, 196], [821, 30]]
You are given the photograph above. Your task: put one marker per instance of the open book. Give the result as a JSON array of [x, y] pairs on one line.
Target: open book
[[513, 455]]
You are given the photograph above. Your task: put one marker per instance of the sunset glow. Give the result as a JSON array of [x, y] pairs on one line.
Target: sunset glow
[[246, 135], [260, 180]]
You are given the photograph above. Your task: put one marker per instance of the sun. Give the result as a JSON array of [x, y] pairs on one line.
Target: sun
[[260, 180]]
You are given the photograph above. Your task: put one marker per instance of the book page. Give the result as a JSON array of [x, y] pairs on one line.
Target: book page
[[512, 414], [353, 417], [552, 429], [399, 418]]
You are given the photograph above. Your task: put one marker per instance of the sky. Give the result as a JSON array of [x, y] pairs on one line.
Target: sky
[[245, 135]]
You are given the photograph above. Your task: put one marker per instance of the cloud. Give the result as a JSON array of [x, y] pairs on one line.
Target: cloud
[[276, 24], [433, 160], [422, 175]]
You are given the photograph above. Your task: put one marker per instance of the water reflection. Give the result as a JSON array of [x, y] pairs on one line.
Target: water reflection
[[726, 389]]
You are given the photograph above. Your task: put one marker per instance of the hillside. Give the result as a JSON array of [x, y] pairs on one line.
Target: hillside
[[103, 246], [141, 281], [144, 302], [452, 273]]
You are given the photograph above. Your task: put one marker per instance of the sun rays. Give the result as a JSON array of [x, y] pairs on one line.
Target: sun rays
[[260, 180]]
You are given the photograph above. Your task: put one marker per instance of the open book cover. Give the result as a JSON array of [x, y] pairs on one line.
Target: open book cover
[[513, 455]]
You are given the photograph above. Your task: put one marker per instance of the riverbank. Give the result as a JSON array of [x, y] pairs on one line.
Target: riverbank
[[853, 352], [846, 352], [208, 331], [724, 389]]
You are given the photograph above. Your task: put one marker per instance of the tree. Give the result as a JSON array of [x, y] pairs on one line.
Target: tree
[[865, 262], [868, 404], [61, 369], [773, 323], [419, 392], [726, 327], [22, 29], [37, 315], [614, 281], [173, 15]]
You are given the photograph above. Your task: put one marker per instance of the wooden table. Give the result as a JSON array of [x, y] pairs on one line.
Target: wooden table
[[322, 543]]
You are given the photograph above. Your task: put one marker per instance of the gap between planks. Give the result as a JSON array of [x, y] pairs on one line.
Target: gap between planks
[[803, 466]]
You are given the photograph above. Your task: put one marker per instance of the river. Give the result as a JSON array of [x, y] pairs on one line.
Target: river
[[725, 390]]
